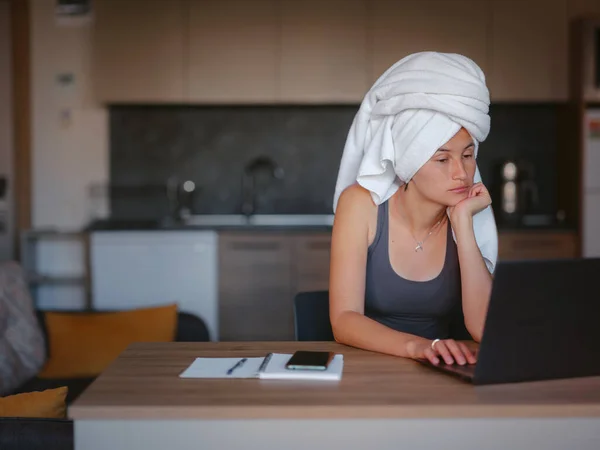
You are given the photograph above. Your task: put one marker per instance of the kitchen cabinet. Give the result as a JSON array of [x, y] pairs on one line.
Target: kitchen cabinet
[[260, 273], [529, 50], [537, 244], [312, 254], [402, 27], [138, 51], [255, 287], [233, 51], [576, 8], [324, 51], [243, 283], [286, 51]]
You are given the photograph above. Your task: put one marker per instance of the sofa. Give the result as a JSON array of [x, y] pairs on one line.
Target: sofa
[[57, 434]]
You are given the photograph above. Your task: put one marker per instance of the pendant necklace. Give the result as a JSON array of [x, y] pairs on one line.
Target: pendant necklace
[[419, 247]]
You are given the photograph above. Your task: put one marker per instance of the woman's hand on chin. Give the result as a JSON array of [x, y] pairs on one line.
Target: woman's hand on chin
[[477, 200]]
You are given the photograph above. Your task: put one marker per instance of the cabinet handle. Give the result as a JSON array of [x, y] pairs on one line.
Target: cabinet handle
[[255, 246]]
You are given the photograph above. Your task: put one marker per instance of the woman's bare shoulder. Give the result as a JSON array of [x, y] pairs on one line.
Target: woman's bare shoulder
[[356, 198], [357, 209], [356, 215]]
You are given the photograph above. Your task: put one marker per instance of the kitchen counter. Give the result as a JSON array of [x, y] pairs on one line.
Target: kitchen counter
[[274, 223], [225, 222], [218, 228], [537, 229]]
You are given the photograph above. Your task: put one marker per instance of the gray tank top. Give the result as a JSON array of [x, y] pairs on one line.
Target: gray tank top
[[422, 308]]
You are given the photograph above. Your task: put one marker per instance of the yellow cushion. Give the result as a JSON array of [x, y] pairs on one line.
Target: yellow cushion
[[84, 344], [46, 404]]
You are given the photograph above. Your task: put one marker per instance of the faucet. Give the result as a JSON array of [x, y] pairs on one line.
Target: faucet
[[249, 180], [179, 195]]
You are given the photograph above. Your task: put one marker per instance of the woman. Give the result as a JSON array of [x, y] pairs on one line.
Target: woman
[[414, 235]]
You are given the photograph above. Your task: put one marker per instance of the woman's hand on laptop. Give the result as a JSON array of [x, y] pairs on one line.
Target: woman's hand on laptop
[[449, 350], [473, 346]]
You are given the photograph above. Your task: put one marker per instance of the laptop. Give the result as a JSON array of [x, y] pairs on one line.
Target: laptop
[[543, 322]]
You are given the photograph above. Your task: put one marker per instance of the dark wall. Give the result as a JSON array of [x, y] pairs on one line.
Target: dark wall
[[211, 146]]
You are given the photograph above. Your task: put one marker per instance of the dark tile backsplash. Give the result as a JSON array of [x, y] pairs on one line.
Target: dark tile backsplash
[[211, 146]]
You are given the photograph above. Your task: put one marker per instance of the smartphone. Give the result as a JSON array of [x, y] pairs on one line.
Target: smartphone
[[307, 360]]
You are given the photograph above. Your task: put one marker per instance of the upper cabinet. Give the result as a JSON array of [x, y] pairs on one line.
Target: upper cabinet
[[321, 51], [576, 8], [138, 51], [233, 52], [402, 27], [324, 51], [529, 50]]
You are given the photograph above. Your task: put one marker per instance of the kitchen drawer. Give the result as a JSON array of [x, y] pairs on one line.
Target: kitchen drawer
[[237, 250], [536, 244]]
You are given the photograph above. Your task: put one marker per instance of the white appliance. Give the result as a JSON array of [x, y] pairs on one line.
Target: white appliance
[[134, 269], [591, 185]]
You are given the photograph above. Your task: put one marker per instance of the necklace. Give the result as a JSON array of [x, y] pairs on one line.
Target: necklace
[[419, 247]]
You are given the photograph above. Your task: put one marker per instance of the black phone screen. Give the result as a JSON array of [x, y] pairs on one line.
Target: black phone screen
[[307, 360]]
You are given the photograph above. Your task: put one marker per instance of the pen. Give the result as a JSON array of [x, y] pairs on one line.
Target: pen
[[240, 363]]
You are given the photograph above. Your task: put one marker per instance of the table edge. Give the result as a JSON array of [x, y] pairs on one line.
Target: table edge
[[96, 412]]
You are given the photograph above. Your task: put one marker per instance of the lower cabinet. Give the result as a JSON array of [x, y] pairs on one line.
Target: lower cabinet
[[255, 287], [538, 244], [311, 268], [259, 275]]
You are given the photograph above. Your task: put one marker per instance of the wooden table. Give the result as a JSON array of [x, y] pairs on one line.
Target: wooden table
[[381, 402]]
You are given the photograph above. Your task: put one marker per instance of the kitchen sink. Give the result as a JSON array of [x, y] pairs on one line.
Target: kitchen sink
[[272, 220]]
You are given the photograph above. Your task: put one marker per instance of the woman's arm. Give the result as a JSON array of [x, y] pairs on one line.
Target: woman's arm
[[476, 280], [350, 241]]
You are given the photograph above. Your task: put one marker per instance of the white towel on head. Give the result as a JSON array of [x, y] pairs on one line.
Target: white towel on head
[[413, 109]]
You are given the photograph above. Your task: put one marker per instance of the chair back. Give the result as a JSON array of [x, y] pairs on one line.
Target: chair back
[[311, 316]]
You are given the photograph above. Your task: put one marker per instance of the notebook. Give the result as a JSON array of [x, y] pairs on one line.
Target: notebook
[[271, 367]]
